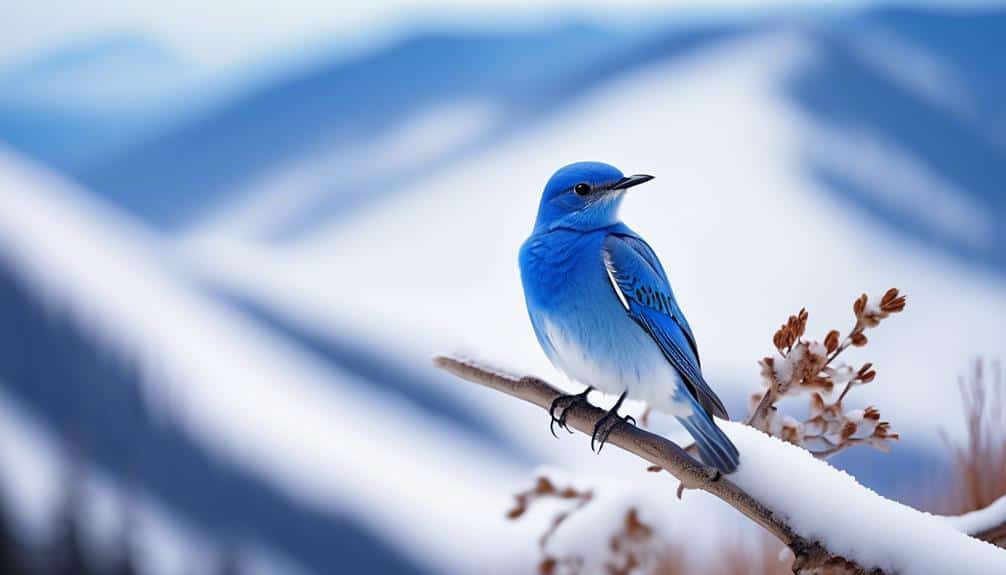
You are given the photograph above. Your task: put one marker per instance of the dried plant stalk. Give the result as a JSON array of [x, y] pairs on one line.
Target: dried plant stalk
[[810, 367], [979, 464]]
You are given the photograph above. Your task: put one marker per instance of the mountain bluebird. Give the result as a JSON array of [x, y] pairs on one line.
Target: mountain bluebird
[[604, 313]]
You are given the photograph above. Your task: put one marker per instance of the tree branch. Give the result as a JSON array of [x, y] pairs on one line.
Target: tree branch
[[811, 556]]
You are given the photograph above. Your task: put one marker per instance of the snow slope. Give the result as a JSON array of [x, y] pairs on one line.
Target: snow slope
[[252, 401], [85, 100]]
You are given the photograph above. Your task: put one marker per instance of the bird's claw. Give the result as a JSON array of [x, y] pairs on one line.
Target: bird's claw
[[562, 405], [607, 424]]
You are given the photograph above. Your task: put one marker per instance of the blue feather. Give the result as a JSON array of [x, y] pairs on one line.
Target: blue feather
[[715, 448]]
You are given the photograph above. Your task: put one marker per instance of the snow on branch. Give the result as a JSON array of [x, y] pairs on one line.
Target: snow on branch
[[987, 524], [832, 524]]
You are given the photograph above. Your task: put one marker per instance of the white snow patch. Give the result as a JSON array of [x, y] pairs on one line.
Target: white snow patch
[[292, 190], [913, 67], [256, 400], [902, 183], [982, 519], [823, 503], [33, 475]]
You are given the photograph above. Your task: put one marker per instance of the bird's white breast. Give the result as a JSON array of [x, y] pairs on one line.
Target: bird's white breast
[[618, 358]]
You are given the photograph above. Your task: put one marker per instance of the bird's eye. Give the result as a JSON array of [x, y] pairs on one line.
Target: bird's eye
[[582, 188]]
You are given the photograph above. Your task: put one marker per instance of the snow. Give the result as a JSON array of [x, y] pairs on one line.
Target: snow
[[292, 190], [823, 503], [32, 476], [902, 183], [982, 519], [697, 524], [29, 477], [272, 409], [914, 68]]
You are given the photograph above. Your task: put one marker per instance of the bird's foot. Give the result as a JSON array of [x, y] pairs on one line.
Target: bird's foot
[[604, 427], [561, 406], [607, 423]]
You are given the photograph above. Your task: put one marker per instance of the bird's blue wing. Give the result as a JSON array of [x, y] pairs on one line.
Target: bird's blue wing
[[641, 286], [644, 251]]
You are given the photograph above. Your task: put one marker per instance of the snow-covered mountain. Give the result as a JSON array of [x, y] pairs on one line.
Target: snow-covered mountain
[[202, 408], [233, 315], [77, 103], [331, 111]]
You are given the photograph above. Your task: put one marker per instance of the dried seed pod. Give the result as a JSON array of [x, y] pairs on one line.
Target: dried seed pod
[[871, 318], [801, 323], [543, 486], [791, 430], [866, 373], [781, 339], [869, 419], [823, 383], [848, 430], [831, 341], [883, 430], [892, 302], [859, 305]]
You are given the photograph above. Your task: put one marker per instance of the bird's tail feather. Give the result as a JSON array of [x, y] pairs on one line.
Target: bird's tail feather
[[715, 448]]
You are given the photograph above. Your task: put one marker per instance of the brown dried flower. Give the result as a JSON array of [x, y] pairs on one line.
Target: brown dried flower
[[892, 302], [866, 373], [831, 341], [859, 305], [807, 366], [790, 332]]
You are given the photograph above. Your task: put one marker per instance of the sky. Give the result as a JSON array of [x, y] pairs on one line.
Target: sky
[[220, 33]]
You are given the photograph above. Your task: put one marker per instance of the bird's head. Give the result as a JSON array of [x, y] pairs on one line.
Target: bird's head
[[584, 196]]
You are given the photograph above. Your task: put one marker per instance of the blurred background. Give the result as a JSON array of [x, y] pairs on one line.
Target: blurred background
[[232, 235]]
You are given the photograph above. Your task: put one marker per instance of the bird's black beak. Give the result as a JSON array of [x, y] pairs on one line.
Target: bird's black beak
[[629, 181]]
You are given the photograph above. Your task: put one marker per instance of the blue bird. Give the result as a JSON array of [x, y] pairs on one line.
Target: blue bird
[[604, 312]]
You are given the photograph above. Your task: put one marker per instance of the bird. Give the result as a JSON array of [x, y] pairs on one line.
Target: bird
[[603, 311]]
